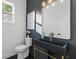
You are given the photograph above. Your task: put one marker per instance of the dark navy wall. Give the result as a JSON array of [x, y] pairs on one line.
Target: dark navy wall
[[33, 5], [36, 5]]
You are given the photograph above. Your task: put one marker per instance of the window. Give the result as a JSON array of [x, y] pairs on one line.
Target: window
[[31, 20], [39, 23]]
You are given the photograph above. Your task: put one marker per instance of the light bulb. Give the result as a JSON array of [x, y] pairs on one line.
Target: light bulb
[[61, 1], [43, 3], [47, 6], [53, 4]]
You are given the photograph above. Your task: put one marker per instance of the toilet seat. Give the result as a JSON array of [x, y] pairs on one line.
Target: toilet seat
[[21, 48]]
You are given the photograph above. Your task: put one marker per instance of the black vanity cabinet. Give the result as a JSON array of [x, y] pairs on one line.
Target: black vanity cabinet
[[50, 50]]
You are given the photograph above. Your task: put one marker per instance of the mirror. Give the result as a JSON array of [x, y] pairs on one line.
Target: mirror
[[56, 19]]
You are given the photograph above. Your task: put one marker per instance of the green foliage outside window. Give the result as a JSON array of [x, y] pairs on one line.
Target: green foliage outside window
[[6, 8]]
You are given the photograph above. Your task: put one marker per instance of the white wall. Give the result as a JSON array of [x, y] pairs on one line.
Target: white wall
[[13, 33], [56, 19]]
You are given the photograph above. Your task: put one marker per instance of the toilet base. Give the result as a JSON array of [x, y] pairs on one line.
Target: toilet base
[[24, 54], [20, 55]]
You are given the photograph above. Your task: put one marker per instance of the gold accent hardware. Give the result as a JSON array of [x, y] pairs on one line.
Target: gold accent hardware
[[62, 57]]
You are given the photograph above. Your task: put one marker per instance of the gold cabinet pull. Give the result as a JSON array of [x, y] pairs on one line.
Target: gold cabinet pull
[[62, 57]]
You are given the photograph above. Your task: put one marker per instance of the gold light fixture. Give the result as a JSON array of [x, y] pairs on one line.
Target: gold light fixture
[[49, 1]]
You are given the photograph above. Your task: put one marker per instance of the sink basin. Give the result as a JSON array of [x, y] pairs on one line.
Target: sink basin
[[61, 44], [54, 45]]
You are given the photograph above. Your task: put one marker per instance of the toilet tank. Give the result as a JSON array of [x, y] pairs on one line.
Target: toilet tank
[[28, 41]]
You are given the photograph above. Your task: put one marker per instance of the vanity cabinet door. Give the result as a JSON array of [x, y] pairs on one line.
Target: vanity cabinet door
[[39, 55]]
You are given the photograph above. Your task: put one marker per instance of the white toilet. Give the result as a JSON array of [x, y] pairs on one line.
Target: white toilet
[[23, 50]]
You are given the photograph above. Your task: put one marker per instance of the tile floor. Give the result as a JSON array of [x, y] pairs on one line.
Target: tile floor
[[15, 57]]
